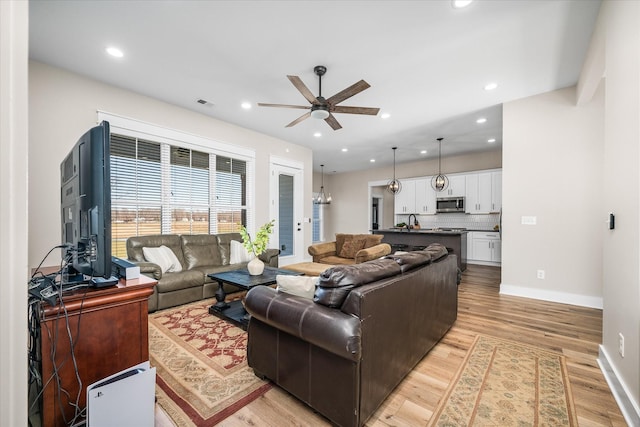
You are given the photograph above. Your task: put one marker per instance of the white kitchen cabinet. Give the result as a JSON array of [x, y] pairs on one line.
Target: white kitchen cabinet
[[485, 247], [483, 192], [416, 197], [425, 201], [405, 200], [456, 188]]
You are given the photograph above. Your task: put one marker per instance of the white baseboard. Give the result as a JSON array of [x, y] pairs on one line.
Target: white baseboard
[[489, 263], [628, 406], [553, 296]]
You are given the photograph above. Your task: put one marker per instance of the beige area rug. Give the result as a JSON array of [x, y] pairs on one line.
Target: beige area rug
[[202, 375], [503, 383]]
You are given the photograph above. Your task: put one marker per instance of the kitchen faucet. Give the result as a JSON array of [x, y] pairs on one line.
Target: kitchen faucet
[[415, 221]]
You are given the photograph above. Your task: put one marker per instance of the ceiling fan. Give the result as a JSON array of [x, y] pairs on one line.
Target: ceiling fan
[[322, 108]]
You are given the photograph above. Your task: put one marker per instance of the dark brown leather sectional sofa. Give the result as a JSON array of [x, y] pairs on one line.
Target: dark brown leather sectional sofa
[[367, 327], [199, 255]]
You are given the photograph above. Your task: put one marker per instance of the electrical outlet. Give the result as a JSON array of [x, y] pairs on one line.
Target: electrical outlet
[[540, 274], [621, 344], [529, 220]]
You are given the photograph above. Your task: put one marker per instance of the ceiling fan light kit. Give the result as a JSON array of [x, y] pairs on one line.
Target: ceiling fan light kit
[[322, 108], [394, 186], [440, 182]]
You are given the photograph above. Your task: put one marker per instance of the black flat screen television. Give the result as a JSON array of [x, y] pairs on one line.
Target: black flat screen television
[[85, 201]]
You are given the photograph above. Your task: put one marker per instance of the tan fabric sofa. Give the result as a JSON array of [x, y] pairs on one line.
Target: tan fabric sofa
[[199, 255], [350, 249]]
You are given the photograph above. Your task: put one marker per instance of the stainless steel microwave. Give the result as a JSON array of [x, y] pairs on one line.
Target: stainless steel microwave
[[450, 204]]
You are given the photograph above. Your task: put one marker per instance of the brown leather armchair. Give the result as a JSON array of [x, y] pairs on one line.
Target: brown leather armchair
[[350, 249]]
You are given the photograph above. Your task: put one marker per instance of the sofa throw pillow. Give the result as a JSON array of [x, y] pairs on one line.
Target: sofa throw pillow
[[302, 286], [163, 257], [351, 247], [238, 253]]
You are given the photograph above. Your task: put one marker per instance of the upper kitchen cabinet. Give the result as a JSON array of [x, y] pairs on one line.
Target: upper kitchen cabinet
[[405, 200], [483, 192], [456, 188], [425, 197], [416, 197]]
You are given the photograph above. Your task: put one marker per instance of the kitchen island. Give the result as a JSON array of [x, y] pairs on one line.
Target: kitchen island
[[402, 239]]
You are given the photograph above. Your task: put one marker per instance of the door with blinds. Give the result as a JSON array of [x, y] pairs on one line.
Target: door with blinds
[[287, 208]]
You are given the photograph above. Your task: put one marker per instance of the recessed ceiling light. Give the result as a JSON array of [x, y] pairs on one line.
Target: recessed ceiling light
[[114, 51], [491, 141], [317, 134], [459, 4], [491, 86], [287, 150], [423, 152], [246, 105], [372, 160], [481, 120], [385, 115], [344, 150]]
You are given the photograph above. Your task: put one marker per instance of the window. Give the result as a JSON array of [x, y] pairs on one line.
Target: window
[[316, 226], [161, 188]]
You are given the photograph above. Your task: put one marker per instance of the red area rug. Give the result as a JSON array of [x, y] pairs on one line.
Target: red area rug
[[201, 368]]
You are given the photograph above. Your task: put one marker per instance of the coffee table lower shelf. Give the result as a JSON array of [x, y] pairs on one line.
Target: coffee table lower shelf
[[234, 313]]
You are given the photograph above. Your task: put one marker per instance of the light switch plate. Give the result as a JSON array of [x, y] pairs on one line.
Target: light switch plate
[[529, 220]]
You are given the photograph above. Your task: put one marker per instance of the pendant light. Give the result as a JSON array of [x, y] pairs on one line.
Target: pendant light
[[321, 198], [440, 182], [394, 186]]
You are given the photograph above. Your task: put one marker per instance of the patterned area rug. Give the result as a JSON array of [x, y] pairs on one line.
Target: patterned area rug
[[200, 360], [503, 383]]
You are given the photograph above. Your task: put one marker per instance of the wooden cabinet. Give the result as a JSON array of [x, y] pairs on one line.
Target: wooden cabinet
[[108, 332], [484, 247], [483, 192], [416, 197]]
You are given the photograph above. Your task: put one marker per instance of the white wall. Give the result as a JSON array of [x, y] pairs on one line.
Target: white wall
[[552, 169], [14, 31], [622, 196], [349, 211], [63, 105]]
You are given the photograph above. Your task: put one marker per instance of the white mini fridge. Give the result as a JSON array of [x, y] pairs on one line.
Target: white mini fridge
[[125, 399]]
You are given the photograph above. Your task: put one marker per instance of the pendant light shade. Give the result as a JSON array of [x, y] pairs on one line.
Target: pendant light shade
[[440, 182], [321, 198], [394, 186]]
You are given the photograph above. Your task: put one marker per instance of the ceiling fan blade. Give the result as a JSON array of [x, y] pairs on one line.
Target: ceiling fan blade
[[299, 119], [354, 89], [333, 122], [302, 107], [356, 110], [304, 90]]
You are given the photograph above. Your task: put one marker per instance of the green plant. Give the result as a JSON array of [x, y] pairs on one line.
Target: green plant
[[259, 244]]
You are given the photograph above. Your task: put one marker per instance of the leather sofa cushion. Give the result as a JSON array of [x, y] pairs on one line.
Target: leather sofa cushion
[[135, 245], [224, 243], [200, 250], [410, 260], [182, 280], [436, 251], [336, 282]]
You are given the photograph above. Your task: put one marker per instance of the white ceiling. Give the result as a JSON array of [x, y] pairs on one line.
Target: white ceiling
[[427, 63]]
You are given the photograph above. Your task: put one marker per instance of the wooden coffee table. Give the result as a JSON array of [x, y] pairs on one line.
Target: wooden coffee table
[[234, 311]]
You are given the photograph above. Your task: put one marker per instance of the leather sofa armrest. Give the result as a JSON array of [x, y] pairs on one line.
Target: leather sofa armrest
[[270, 257], [322, 250], [149, 269], [374, 252], [328, 328]]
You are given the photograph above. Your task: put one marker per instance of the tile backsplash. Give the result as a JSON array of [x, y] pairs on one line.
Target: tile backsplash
[[455, 220]]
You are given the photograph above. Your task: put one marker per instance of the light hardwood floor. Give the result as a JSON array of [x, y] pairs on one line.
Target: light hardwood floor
[[571, 330]]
